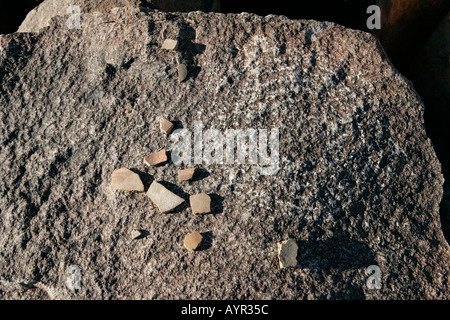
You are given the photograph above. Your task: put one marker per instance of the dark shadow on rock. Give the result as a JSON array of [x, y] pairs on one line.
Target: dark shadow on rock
[[169, 159], [193, 72], [308, 36], [179, 192], [128, 64], [189, 49], [151, 27], [110, 73], [144, 234], [207, 241], [199, 48], [162, 164], [175, 189], [338, 253], [177, 125], [200, 174], [146, 178], [346, 293], [216, 203]]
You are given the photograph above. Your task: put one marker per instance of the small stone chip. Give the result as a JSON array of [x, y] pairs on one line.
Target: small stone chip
[[124, 179], [170, 44], [186, 174], [200, 203], [193, 241], [135, 234], [166, 126], [164, 199], [182, 72], [156, 158], [287, 253]]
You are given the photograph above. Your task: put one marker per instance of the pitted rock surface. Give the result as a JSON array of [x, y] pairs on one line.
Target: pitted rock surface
[[358, 183]]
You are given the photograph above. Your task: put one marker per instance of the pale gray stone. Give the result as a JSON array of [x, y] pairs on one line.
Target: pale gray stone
[[170, 44], [164, 199]]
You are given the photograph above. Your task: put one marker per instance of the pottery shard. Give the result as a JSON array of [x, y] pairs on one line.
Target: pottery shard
[[186, 174], [124, 179], [200, 203], [166, 126], [164, 199], [287, 253], [135, 234], [156, 158], [170, 44], [182, 72], [193, 241]]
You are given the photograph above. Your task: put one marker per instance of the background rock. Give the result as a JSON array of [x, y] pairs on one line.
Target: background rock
[[359, 183], [407, 25], [430, 73]]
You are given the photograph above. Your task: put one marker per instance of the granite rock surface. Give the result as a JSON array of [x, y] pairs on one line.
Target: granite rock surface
[[358, 182]]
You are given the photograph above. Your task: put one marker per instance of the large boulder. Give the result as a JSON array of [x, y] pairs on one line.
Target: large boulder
[[355, 182]]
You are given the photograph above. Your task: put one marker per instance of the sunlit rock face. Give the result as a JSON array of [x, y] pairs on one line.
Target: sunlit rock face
[[342, 164]]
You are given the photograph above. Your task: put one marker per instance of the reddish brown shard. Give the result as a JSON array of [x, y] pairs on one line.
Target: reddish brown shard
[[166, 126], [186, 174], [124, 179], [193, 241], [156, 158]]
